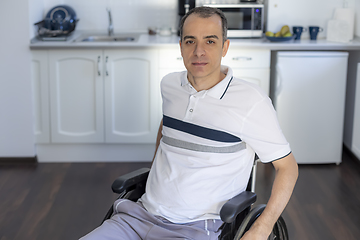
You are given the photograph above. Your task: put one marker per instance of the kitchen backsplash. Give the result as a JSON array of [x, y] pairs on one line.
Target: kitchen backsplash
[[127, 15]]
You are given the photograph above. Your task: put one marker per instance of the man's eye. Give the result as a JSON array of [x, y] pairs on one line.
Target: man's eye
[[189, 42], [211, 42]]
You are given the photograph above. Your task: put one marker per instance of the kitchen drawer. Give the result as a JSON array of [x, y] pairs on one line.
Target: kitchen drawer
[[171, 58], [244, 58]]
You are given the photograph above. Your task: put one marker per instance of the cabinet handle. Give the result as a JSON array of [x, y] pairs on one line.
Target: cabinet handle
[[242, 58], [98, 62], [179, 58], [106, 66]]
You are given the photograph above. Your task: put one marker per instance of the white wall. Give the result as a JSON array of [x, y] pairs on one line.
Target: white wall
[[16, 125], [305, 13], [128, 15], [36, 9]]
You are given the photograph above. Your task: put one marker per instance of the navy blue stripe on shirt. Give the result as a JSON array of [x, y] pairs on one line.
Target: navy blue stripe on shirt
[[226, 88], [199, 131]]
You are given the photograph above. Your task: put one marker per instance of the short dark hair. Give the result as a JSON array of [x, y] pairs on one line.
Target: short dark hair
[[206, 12]]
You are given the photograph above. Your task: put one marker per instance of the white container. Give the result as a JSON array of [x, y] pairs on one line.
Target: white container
[[347, 15], [341, 27], [338, 31]]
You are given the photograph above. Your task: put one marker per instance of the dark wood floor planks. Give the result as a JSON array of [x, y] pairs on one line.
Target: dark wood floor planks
[[67, 200], [325, 203]]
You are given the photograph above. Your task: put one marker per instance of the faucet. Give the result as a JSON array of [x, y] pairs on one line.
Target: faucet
[[111, 27]]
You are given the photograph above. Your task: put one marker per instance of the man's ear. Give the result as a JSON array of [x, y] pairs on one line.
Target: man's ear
[[225, 47]]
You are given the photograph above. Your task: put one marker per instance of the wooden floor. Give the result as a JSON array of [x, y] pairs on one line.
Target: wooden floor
[[60, 201]]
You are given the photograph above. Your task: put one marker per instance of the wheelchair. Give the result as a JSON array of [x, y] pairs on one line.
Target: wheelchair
[[237, 213]]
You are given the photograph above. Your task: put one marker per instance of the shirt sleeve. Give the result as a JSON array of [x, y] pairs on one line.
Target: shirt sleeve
[[261, 131]]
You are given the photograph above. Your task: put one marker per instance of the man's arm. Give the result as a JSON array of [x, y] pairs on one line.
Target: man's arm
[[158, 138], [286, 175]]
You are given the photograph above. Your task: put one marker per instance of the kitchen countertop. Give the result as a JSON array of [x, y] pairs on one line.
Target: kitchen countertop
[[145, 40]]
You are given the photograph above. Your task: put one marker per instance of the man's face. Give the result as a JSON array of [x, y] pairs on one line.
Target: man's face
[[202, 46]]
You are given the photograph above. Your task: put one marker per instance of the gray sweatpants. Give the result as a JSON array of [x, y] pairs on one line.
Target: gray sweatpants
[[133, 222]]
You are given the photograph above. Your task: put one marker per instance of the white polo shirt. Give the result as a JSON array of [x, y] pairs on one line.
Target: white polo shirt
[[207, 150]]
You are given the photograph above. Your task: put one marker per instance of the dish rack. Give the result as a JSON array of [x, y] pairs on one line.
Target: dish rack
[[46, 34]]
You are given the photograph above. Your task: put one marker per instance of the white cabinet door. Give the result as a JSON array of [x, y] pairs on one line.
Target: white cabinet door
[[259, 77], [40, 84], [251, 65], [171, 58], [131, 96], [76, 96]]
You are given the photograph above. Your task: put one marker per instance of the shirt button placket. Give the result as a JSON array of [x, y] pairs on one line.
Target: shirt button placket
[[192, 102]]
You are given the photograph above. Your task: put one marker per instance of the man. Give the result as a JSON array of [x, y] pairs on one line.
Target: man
[[212, 126]]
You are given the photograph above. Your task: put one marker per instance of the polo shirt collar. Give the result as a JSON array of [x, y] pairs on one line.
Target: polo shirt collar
[[217, 91]]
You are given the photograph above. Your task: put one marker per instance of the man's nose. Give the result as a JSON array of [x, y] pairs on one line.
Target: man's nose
[[199, 50]]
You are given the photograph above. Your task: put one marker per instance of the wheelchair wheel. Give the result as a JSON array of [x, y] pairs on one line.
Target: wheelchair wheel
[[279, 231]]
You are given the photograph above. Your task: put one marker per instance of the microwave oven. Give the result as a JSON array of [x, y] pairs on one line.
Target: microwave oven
[[244, 20]]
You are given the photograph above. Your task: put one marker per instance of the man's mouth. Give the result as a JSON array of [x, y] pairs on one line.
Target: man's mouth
[[199, 63]]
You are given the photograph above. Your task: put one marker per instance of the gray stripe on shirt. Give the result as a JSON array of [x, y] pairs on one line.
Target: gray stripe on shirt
[[202, 148]]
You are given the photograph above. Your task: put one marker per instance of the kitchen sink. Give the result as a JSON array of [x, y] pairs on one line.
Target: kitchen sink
[[106, 38]]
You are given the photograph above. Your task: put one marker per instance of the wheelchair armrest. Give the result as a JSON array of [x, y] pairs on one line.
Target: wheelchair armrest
[[236, 205], [130, 180]]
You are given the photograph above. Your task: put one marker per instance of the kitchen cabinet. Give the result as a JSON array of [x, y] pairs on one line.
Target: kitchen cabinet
[[76, 96], [250, 65], [40, 89], [132, 96], [105, 104], [99, 96], [170, 60]]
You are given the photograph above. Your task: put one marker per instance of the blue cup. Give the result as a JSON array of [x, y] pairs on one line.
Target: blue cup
[[314, 30], [297, 30]]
